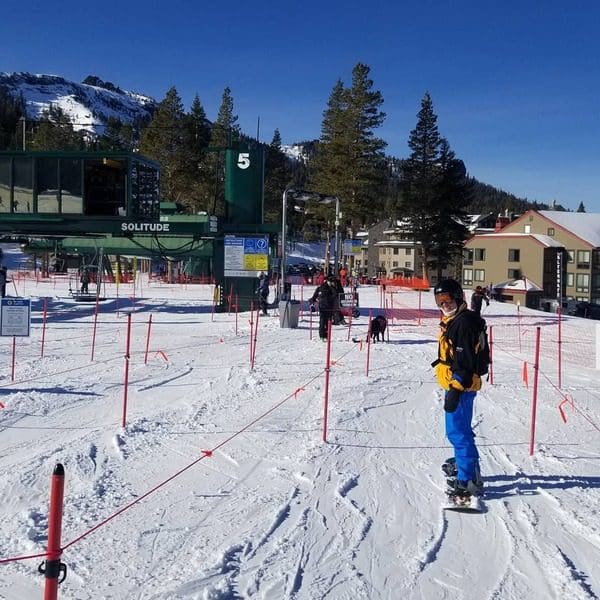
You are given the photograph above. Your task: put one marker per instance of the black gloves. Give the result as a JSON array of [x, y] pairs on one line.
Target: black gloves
[[451, 400], [312, 307]]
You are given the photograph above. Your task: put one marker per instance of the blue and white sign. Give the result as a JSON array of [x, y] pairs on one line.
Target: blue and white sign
[[246, 256], [15, 317]]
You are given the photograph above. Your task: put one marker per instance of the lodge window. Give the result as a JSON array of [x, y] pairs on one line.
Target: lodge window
[[468, 256], [479, 254], [514, 273], [583, 283], [583, 259], [551, 231], [479, 274], [468, 277], [514, 255]]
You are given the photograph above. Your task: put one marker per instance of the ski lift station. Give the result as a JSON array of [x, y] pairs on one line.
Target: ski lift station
[[95, 205]]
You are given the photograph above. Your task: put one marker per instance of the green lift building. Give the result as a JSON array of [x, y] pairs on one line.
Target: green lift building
[[81, 202]]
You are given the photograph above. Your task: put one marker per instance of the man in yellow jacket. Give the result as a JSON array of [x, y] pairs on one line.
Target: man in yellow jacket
[[455, 371]]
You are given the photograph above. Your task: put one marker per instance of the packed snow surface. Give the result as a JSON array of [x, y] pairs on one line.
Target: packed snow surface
[[224, 482]]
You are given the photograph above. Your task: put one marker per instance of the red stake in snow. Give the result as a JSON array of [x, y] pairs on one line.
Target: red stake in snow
[[327, 371], [369, 342], [148, 339], [94, 333], [536, 370], [126, 382], [44, 325], [14, 353], [52, 568], [491, 343]]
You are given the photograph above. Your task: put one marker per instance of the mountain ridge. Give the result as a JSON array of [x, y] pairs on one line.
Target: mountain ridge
[[88, 106]]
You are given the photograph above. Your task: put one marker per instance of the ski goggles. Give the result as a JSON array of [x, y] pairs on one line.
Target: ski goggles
[[444, 299]]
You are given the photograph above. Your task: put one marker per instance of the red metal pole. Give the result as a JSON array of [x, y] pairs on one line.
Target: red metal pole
[[491, 342], [327, 372], [536, 369], [44, 325], [236, 314], [519, 323], [126, 382], [369, 342], [52, 568], [559, 348], [251, 331], [94, 332], [14, 352], [255, 337], [148, 339]]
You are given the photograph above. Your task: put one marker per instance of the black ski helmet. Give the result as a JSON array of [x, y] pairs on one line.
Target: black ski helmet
[[452, 287]]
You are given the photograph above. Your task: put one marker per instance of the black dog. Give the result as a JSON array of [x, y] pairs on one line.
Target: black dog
[[378, 325]]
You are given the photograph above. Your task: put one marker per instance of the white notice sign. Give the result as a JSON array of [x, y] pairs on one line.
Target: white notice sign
[[15, 317]]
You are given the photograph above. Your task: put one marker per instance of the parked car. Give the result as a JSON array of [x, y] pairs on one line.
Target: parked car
[[582, 309]]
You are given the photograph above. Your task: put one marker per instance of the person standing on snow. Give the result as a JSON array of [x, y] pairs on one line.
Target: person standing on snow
[[477, 299], [455, 371], [326, 294], [263, 292]]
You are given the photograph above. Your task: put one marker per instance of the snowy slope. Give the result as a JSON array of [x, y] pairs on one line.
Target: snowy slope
[[275, 512], [88, 106]]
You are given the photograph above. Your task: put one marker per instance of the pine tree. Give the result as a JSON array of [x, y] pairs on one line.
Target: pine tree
[[436, 192], [199, 130], [225, 133], [350, 160], [277, 176], [166, 140], [11, 110], [55, 131], [581, 208]]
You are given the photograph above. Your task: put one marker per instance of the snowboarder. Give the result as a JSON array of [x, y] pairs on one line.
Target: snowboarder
[[456, 373]]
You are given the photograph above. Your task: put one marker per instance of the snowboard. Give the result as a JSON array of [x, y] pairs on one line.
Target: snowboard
[[470, 504]]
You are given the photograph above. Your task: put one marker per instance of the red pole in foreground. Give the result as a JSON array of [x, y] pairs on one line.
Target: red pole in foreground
[[327, 371], [52, 567], [536, 369], [126, 382], [44, 325]]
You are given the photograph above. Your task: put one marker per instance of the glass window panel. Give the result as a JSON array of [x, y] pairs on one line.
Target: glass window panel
[[47, 185], [4, 184], [70, 186], [145, 197], [23, 185]]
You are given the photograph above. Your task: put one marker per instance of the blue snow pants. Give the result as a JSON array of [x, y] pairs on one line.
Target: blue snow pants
[[460, 434]]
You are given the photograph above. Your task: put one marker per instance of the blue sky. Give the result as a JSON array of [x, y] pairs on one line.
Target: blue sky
[[515, 85]]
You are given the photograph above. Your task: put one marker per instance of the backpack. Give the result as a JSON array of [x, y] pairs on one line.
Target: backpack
[[482, 351], [482, 347]]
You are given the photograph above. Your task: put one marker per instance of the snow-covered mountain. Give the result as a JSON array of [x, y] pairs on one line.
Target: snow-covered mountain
[[88, 104]]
